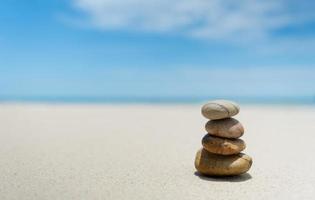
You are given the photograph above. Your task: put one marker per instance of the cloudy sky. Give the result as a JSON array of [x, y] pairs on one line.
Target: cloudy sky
[[157, 48]]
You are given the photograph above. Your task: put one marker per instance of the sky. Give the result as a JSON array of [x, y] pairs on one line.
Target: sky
[[157, 48]]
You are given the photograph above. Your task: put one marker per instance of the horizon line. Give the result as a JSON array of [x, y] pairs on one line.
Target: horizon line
[[156, 99]]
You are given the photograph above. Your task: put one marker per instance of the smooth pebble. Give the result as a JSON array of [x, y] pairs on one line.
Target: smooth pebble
[[222, 146], [227, 128], [220, 109], [211, 164]]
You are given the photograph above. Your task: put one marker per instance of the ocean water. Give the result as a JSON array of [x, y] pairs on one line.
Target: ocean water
[[298, 100]]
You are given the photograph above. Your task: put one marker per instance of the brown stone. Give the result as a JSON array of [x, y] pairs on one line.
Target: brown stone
[[219, 109], [222, 146], [219, 165], [227, 128]]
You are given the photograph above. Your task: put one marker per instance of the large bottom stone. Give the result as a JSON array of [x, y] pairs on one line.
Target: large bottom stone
[[222, 165]]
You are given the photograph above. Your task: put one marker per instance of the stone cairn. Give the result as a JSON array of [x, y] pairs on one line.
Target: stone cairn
[[221, 153]]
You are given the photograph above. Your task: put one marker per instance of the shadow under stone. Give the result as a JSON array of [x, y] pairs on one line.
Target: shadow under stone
[[238, 178]]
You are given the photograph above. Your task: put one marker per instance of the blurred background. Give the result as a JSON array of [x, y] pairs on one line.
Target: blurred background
[[259, 51]]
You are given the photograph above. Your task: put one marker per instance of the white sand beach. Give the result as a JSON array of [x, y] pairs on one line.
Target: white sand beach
[[147, 152]]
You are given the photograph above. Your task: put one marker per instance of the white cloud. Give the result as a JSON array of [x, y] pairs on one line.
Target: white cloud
[[214, 19]]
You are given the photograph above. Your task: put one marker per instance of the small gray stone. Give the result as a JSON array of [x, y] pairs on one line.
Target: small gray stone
[[220, 109]]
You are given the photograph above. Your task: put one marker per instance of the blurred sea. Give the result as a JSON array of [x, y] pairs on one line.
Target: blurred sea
[[297, 100]]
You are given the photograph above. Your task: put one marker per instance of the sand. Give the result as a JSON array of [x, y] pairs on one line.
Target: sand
[[147, 152]]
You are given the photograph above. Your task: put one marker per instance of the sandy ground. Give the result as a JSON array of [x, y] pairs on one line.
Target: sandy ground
[[147, 152]]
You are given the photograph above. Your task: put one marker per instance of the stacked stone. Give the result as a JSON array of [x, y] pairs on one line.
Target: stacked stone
[[221, 153]]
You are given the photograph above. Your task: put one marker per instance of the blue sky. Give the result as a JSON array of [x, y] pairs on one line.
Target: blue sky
[[157, 48]]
